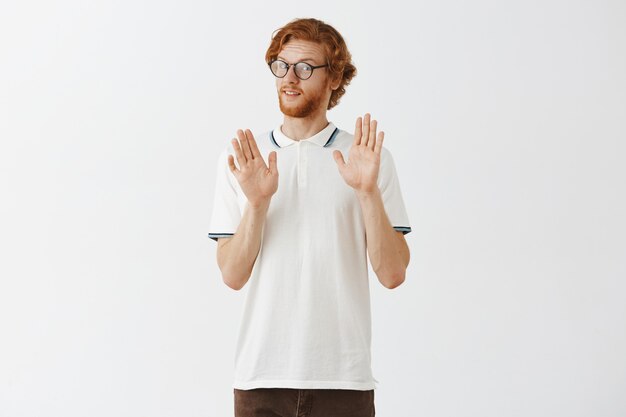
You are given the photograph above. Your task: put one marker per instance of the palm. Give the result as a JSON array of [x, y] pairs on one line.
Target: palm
[[257, 181], [361, 170]]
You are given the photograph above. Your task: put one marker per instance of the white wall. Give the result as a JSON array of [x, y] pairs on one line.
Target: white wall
[[507, 124]]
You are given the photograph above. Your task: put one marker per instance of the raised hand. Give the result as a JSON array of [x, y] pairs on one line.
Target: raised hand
[[361, 171], [257, 181]]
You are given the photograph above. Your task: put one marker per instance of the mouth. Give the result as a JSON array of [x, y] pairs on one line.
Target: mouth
[[290, 93]]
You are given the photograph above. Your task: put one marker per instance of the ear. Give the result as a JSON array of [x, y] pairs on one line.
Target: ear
[[334, 82]]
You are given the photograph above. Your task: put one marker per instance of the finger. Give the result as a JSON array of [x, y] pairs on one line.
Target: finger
[[358, 130], [244, 144], [366, 129], [249, 137], [371, 143], [379, 142], [253, 146], [272, 162], [241, 158], [231, 165], [341, 163]]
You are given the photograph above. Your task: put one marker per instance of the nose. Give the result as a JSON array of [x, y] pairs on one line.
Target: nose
[[291, 75]]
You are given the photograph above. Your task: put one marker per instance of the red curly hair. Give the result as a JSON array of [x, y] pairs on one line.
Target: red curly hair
[[338, 57]]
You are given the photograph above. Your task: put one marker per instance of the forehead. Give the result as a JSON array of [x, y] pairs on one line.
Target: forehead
[[299, 50]]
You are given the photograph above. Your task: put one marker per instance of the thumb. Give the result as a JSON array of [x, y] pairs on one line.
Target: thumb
[[339, 159], [272, 161]]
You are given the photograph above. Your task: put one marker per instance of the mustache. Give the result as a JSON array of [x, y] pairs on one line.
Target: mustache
[[297, 90]]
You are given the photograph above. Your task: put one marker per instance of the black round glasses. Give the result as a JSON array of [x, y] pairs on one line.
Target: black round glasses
[[303, 70]]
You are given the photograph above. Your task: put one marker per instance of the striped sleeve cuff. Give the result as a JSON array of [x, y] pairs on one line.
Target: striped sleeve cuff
[[403, 229], [215, 236]]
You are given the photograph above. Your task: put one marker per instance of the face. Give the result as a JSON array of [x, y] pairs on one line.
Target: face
[[312, 95]]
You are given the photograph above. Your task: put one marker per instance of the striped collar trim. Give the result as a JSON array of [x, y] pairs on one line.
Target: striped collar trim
[[323, 138]]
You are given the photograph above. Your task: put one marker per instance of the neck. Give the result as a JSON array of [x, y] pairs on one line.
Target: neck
[[298, 128]]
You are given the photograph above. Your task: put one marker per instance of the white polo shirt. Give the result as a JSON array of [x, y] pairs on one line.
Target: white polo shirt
[[306, 322]]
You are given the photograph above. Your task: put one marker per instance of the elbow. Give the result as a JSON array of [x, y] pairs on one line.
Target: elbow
[[235, 285], [236, 270], [233, 280], [395, 273], [396, 282], [233, 277], [393, 279]]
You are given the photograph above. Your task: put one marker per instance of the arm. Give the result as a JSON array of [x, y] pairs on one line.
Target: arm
[[236, 255], [387, 248], [389, 254]]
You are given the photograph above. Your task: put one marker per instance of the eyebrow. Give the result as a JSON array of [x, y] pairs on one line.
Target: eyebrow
[[303, 59]]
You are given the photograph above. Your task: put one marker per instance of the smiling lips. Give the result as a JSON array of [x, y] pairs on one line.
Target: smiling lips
[[291, 93]]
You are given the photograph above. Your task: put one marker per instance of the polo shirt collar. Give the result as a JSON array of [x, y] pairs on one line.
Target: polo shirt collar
[[323, 138]]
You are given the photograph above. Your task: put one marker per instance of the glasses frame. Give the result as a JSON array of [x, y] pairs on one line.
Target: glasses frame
[[313, 67]]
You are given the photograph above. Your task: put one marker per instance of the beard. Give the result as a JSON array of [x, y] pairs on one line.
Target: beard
[[305, 107]]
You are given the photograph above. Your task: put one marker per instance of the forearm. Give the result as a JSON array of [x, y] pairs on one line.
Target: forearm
[[388, 253], [237, 256]]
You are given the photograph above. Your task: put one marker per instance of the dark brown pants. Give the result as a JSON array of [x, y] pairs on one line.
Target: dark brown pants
[[290, 402]]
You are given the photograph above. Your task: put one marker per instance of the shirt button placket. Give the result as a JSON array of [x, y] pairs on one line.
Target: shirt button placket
[[302, 164]]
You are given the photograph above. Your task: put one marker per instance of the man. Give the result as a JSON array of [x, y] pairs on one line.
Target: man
[[298, 229]]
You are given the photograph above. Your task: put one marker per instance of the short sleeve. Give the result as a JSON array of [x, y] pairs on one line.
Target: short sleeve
[[389, 186], [226, 213]]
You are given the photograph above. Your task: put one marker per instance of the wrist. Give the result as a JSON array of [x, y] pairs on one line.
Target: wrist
[[368, 194], [259, 205]]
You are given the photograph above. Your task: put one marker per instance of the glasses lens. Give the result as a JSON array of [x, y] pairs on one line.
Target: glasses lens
[[279, 68], [303, 70]]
